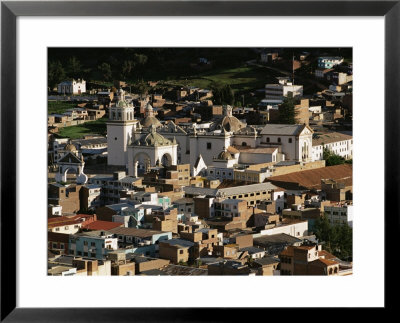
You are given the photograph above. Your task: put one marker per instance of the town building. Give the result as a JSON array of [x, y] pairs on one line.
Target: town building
[[282, 89]]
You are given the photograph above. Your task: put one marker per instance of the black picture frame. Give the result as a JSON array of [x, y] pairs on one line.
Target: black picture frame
[[10, 10]]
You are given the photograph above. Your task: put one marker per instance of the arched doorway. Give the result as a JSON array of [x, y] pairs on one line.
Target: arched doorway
[[166, 160]]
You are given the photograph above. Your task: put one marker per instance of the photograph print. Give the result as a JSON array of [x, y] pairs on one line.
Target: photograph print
[[200, 161]]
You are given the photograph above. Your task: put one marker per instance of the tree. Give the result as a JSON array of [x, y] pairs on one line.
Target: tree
[[222, 94], [56, 74], [127, 68], [74, 68], [287, 111], [338, 238], [141, 88], [105, 69], [332, 159]]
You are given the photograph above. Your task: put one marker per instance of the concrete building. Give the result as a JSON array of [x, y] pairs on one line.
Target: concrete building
[[94, 244], [339, 214], [282, 89]]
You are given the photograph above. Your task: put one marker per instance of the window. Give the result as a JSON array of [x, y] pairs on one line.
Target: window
[[93, 244], [79, 253], [279, 139], [181, 252], [85, 254], [290, 140], [208, 145], [267, 139], [57, 229], [54, 245], [85, 243]]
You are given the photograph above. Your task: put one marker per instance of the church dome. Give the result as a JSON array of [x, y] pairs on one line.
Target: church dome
[[230, 123], [122, 104], [224, 155], [149, 120], [153, 139]]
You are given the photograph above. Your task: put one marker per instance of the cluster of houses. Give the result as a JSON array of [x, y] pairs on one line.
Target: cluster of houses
[[215, 197]]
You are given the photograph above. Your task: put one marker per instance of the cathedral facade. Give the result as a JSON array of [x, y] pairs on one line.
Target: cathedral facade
[[227, 141]]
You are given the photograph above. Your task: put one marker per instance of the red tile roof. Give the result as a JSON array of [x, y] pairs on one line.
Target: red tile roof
[[103, 225], [311, 179]]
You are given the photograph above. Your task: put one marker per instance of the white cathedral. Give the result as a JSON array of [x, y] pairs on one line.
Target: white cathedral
[[228, 141]]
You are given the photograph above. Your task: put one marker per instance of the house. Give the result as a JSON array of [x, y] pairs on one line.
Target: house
[[176, 250], [58, 242], [309, 260], [93, 244], [282, 89], [266, 266]]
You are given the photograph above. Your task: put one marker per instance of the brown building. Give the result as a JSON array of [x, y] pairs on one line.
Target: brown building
[[176, 250], [266, 266], [307, 260], [65, 195], [58, 242], [337, 191], [205, 240], [119, 265]]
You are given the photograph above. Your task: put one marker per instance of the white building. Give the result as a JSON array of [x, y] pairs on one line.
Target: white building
[[336, 142], [72, 87], [295, 141], [339, 214], [295, 229], [221, 145], [120, 127], [282, 89]]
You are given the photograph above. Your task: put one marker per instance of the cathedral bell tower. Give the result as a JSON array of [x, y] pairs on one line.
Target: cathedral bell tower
[[120, 126]]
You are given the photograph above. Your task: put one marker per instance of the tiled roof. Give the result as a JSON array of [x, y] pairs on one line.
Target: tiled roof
[[283, 129], [103, 225], [322, 261], [276, 238], [326, 138], [311, 179], [266, 261]]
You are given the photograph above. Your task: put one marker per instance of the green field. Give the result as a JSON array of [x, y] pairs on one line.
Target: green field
[[244, 78], [93, 127], [59, 106]]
